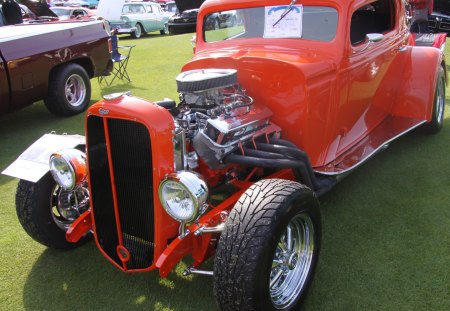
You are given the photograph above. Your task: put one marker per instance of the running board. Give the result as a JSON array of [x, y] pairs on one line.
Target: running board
[[377, 140]]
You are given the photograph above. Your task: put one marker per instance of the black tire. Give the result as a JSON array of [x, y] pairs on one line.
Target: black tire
[[437, 120], [138, 32], [35, 204], [172, 31], [252, 239], [165, 30], [69, 90]]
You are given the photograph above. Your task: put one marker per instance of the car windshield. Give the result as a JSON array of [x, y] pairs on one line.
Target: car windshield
[[316, 23], [61, 12]]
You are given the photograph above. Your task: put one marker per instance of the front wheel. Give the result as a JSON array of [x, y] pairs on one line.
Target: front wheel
[[138, 32], [269, 249], [46, 211], [437, 119], [165, 30], [69, 90]]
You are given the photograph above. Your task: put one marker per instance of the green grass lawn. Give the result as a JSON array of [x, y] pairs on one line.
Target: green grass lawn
[[386, 227]]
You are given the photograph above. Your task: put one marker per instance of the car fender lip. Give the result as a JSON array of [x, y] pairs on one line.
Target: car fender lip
[[33, 164]]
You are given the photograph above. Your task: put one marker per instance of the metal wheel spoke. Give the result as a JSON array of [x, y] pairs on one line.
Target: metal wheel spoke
[[276, 263], [289, 238], [282, 245], [276, 278]]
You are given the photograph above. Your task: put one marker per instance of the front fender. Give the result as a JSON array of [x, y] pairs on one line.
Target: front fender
[[32, 164], [416, 94]]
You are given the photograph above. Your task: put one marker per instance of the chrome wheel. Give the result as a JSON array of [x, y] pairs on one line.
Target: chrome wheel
[[440, 101], [138, 32], [292, 261], [67, 206], [75, 90]]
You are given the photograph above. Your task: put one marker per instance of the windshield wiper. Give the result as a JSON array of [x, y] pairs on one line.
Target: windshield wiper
[[288, 9]]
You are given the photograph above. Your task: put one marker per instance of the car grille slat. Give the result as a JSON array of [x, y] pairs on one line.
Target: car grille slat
[[101, 191]]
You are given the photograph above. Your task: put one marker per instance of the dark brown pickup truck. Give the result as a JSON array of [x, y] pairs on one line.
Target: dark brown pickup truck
[[53, 62]]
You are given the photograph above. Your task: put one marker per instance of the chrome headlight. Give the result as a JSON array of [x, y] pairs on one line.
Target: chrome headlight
[[68, 168], [183, 196]]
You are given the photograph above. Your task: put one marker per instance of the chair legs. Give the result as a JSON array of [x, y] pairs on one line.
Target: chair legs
[[120, 67]]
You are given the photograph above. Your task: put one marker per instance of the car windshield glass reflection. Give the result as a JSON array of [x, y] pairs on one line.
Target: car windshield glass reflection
[[306, 22]]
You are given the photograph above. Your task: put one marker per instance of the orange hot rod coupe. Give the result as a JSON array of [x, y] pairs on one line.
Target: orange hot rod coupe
[[274, 109]]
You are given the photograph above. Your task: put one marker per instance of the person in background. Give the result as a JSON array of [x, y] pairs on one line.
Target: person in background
[[421, 9], [12, 12]]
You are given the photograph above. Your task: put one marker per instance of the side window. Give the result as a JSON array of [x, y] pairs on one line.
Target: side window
[[126, 9], [140, 9], [377, 17], [77, 13], [149, 8]]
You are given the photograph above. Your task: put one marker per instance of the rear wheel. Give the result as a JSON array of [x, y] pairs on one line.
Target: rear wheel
[[46, 211], [268, 251], [69, 90], [437, 119]]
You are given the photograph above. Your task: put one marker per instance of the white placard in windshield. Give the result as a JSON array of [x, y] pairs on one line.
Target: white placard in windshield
[[289, 26]]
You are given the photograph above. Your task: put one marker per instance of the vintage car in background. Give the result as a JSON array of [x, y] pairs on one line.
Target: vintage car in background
[[183, 22], [439, 20], [185, 19], [84, 4], [73, 13], [273, 111], [138, 18], [170, 8]]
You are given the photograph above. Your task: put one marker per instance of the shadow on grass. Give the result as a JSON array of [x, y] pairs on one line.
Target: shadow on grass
[[118, 86], [84, 280], [384, 232]]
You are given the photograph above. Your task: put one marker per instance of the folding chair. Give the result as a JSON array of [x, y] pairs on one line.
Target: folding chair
[[120, 61]]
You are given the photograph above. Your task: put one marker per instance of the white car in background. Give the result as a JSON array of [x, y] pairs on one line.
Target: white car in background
[[138, 18], [81, 3]]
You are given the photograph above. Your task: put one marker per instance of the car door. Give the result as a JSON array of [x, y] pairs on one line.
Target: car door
[[370, 72], [149, 18], [159, 16]]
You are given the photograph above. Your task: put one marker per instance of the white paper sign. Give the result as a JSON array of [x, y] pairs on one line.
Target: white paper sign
[[289, 26], [110, 9]]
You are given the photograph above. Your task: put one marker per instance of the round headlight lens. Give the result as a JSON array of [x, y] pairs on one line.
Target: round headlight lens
[[68, 168], [62, 172], [182, 195], [177, 200]]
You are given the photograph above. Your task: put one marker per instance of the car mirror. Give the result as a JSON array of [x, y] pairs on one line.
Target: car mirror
[[370, 39], [374, 37]]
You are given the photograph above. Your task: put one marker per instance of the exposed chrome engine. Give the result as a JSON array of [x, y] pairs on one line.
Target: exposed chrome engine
[[216, 116]]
